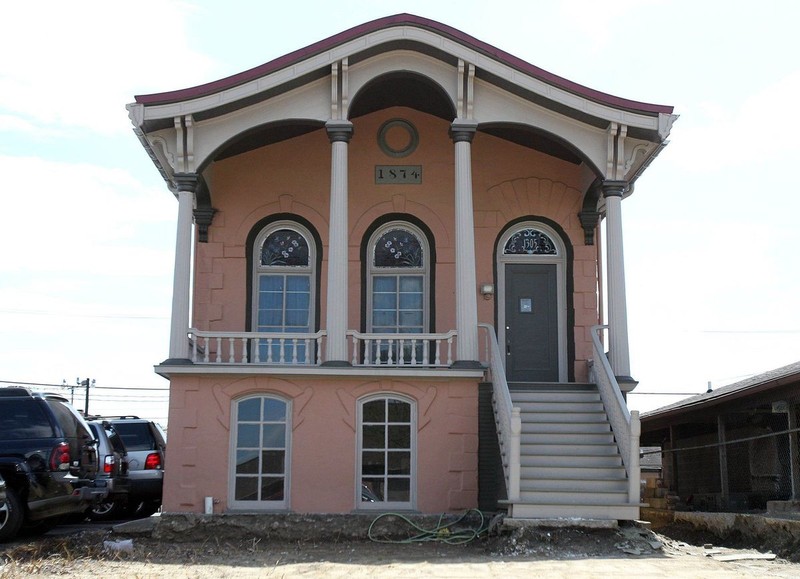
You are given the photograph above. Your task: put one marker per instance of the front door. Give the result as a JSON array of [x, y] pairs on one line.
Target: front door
[[531, 319]]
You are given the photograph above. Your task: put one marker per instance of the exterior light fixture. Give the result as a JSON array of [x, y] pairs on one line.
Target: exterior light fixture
[[487, 290]]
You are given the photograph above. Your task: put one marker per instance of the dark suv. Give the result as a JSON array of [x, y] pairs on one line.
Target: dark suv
[[48, 460]]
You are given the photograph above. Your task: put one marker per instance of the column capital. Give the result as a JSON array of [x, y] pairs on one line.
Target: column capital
[[463, 130], [613, 188], [187, 181], [339, 130]]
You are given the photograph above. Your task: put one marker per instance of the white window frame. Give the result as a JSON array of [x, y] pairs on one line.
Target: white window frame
[[258, 270], [386, 505], [259, 505], [424, 271], [559, 260]]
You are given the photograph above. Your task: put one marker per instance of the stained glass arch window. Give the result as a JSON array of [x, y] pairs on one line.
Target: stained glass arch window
[[286, 247], [398, 247], [530, 241]]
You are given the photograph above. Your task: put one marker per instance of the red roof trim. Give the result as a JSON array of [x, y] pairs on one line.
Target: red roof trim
[[388, 22]]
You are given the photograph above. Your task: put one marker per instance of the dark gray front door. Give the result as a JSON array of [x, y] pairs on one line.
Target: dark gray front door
[[531, 333]]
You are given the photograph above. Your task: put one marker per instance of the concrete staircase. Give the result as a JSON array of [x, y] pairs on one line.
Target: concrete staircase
[[570, 465]]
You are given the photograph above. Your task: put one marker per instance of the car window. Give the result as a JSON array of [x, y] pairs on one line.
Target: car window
[[136, 435], [71, 423], [24, 419]]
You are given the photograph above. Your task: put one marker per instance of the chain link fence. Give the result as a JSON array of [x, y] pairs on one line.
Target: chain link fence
[[734, 465]]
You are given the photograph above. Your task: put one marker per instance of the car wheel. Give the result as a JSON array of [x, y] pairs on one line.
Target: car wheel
[[10, 516], [106, 510]]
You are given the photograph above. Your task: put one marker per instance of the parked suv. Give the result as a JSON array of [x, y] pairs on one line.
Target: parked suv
[[146, 443], [112, 472], [48, 460]]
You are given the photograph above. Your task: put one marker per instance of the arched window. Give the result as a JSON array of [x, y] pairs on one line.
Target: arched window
[[284, 290], [260, 432], [386, 452], [398, 283]]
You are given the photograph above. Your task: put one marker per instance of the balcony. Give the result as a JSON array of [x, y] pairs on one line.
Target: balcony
[[302, 349]]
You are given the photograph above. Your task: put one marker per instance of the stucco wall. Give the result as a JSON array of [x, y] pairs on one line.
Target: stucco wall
[[323, 440]]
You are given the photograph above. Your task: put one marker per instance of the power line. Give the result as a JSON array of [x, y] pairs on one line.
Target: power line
[[21, 383]]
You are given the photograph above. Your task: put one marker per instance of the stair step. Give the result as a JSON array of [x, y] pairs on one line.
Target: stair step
[[579, 486], [555, 396], [566, 438], [573, 472], [566, 427], [564, 417], [565, 407], [609, 512], [539, 447], [556, 497], [610, 459]]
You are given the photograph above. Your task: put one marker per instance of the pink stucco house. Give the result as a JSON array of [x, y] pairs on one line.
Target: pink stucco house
[[387, 289]]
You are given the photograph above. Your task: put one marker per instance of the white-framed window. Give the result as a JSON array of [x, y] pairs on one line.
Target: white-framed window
[[260, 452], [398, 273], [387, 428], [284, 286]]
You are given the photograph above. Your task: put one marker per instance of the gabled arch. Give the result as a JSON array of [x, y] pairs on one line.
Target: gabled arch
[[403, 88]]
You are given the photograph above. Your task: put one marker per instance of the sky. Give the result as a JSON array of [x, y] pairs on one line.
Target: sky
[[711, 236]]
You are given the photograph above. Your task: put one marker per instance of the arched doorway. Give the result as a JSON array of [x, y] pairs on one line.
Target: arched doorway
[[531, 309]]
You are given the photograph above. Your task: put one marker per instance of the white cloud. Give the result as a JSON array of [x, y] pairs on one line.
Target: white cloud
[[83, 218], [78, 64]]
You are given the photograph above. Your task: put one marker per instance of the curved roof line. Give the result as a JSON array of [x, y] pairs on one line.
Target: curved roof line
[[389, 22]]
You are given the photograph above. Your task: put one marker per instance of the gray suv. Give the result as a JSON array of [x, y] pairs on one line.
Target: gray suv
[[145, 442], [112, 472]]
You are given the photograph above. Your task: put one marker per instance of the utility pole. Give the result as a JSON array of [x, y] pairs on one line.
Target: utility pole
[[85, 383]]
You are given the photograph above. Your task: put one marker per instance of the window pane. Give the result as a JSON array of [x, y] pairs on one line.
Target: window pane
[[374, 437], [274, 436], [246, 462], [384, 319], [375, 411], [274, 410], [384, 301], [271, 283], [272, 489], [399, 490], [410, 319], [399, 436], [250, 410], [409, 301], [384, 284], [246, 489], [297, 319], [399, 463], [269, 319], [411, 283], [372, 489], [399, 411], [247, 436], [298, 283], [272, 461], [297, 301], [373, 463]]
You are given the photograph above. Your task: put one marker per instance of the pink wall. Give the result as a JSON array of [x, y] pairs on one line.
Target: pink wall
[[323, 458]]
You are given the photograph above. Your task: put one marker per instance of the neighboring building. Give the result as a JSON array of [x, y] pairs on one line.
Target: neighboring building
[[733, 448], [366, 211]]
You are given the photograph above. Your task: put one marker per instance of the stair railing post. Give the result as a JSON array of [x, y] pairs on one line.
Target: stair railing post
[[634, 470], [513, 459]]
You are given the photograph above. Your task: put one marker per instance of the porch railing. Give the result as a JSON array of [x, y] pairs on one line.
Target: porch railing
[[256, 347], [506, 416], [624, 423], [427, 350]]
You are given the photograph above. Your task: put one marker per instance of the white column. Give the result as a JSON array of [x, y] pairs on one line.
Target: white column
[[339, 133], [462, 132], [617, 306], [181, 283]]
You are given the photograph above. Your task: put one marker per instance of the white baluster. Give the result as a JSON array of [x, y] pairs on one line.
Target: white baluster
[[219, 351]]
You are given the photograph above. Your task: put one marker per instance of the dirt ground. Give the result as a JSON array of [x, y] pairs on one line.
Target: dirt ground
[[558, 552]]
